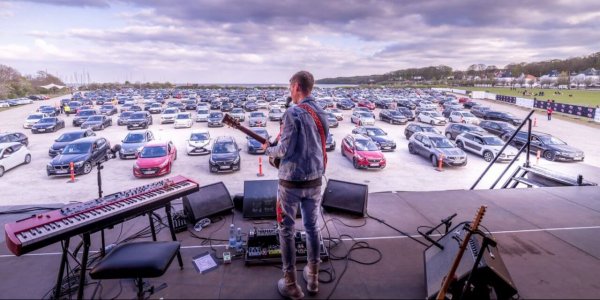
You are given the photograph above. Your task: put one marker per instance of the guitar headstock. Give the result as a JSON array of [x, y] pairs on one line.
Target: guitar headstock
[[478, 217], [229, 120]]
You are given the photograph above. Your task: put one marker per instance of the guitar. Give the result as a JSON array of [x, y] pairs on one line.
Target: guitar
[[450, 277], [229, 120]]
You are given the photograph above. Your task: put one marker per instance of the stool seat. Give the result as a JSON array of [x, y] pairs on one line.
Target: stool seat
[[136, 260]]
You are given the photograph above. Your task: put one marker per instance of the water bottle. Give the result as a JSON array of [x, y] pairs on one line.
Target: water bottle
[[232, 237], [238, 242]]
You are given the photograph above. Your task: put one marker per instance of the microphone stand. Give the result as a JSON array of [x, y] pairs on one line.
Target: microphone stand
[[448, 222], [99, 166]]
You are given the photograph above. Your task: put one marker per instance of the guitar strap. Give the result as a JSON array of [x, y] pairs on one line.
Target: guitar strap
[[317, 120]]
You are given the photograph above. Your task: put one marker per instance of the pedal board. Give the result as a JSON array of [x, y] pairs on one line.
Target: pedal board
[[264, 248], [179, 222]]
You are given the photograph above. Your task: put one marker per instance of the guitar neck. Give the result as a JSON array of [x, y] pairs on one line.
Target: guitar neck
[[446, 283], [252, 134]]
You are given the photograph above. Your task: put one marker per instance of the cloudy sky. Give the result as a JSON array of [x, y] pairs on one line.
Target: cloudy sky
[[250, 41]]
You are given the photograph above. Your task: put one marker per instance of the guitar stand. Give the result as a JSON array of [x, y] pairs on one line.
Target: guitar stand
[[468, 289], [447, 222]]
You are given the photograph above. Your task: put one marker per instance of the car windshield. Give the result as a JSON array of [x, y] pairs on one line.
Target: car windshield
[[227, 147], [170, 111], [364, 115], [436, 115], [550, 140], [95, 118], [505, 126], [216, 115], [394, 113], [107, 107], [86, 113], [429, 129], [468, 115], [276, 110], [183, 116], [507, 115], [441, 142], [365, 145], [78, 148], [492, 141], [261, 132], [134, 138], [69, 137], [126, 114], [203, 112], [375, 132], [154, 151], [34, 117], [199, 136], [47, 120], [237, 111], [257, 115], [138, 116]]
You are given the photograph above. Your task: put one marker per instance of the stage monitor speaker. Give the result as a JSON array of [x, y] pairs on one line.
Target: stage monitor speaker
[[346, 196], [209, 200], [491, 270], [260, 198]]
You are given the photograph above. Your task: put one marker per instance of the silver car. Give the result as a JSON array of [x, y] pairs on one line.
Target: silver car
[[362, 118], [238, 114], [485, 145], [202, 115], [257, 119], [276, 114], [435, 146], [134, 142]]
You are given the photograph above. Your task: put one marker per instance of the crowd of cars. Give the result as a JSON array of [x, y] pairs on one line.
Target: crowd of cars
[[439, 127]]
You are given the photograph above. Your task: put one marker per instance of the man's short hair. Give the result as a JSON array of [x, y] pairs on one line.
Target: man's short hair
[[305, 81]]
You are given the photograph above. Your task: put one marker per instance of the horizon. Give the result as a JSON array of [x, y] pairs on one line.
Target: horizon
[[256, 42]]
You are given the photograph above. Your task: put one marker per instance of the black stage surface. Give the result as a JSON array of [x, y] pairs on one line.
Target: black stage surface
[[549, 239]]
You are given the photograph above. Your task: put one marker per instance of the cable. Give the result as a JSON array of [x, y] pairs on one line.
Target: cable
[[398, 230]]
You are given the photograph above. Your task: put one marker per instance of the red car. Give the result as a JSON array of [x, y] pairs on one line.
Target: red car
[[363, 153], [463, 100], [366, 103], [155, 159]]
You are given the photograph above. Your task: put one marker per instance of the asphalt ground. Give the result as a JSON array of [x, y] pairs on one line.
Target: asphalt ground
[[29, 184]]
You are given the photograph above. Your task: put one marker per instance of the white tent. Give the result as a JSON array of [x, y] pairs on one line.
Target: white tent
[[52, 85]]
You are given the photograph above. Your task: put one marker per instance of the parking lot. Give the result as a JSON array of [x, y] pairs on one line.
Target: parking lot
[[29, 184]]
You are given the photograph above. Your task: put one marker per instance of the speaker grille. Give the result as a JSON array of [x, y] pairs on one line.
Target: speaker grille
[[346, 196], [209, 200]]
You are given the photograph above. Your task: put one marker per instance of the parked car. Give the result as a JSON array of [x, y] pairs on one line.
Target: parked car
[[470, 104], [502, 116], [98, 122], [363, 153], [49, 110], [550, 147], [262, 104], [6, 137], [480, 110], [139, 119], [84, 153], [337, 113], [215, 104], [133, 143], [82, 115], [497, 128], [378, 136], [123, 118], [275, 114], [432, 118], [254, 146], [332, 120], [485, 145], [189, 104], [155, 108], [238, 114], [345, 104], [32, 119], [433, 146], [461, 116], [50, 124], [250, 106], [215, 119], [412, 128], [108, 109], [392, 117], [168, 115], [447, 111], [366, 103], [362, 118], [198, 142], [67, 137], [155, 159], [407, 104], [409, 114], [13, 154], [184, 120], [257, 119], [226, 106], [329, 143], [136, 108], [225, 155], [454, 129]]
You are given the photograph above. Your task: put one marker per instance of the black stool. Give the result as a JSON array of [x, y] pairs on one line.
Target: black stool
[[136, 260]]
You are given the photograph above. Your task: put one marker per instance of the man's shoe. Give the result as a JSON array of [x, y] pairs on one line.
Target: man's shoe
[[311, 276], [288, 287]]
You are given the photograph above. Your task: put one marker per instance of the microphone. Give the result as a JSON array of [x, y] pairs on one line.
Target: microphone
[[288, 101], [448, 219]]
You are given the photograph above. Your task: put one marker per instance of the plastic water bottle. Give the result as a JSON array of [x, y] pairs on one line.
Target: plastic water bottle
[[232, 237], [238, 237]]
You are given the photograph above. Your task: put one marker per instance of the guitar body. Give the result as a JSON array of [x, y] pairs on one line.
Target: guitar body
[[229, 120]]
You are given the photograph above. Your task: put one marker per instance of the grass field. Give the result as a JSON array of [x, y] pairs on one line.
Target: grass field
[[579, 97]]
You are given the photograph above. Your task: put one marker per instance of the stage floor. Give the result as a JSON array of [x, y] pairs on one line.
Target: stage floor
[[549, 239]]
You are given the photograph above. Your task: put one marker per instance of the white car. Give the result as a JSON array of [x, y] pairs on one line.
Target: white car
[[461, 116], [198, 143], [202, 105], [485, 145], [427, 105], [202, 115], [337, 113], [168, 115], [262, 104], [362, 118], [32, 119], [183, 120], [431, 117], [11, 155]]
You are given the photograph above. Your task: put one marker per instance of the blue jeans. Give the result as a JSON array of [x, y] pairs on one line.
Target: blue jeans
[[310, 202]]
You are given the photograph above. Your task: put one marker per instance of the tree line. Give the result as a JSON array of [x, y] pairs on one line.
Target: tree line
[[14, 85]]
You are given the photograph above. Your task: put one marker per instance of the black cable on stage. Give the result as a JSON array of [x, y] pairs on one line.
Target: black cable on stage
[[398, 230]]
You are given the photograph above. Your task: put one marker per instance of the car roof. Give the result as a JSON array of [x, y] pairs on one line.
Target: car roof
[[225, 138], [430, 134], [481, 134], [199, 131], [359, 137], [89, 139], [156, 143]]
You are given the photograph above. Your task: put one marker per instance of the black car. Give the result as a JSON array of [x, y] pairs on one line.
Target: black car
[[238, 104], [470, 104], [140, 119], [7, 137], [225, 155], [98, 122], [502, 116], [392, 116], [215, 104], [148, 105], [409, 114], [50, 124], [49, 110], [84, 153], [66, 138], [135, 108], [550, 147], [73, 107], [480, 110], [378, 136], [329, 143], [82, 116], [332, 120], [226, 106], [454, 129], [496, 127], [447, 111], [215, 119], [411, 128], [407, 103], [108, 109], [345, 104], [250, 106], [190, 104], [254, 146], [123, 117]]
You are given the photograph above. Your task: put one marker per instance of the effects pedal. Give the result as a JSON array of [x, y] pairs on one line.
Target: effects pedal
[[179, 222]]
